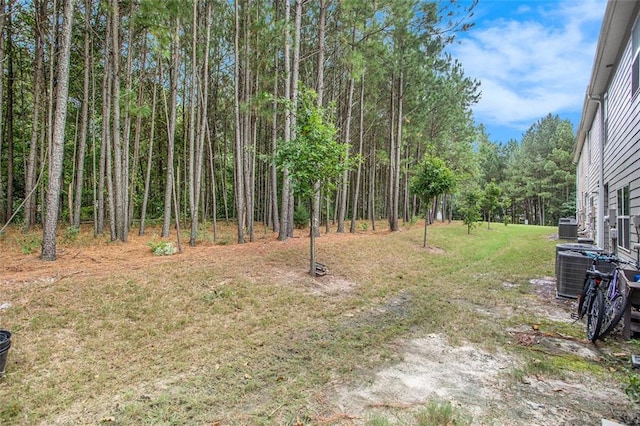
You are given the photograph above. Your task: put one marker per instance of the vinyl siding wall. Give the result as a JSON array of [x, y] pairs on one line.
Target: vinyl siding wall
[[622, 148], [588, 180]]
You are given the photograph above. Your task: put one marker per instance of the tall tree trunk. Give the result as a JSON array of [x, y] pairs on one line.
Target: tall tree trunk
[[398, 149], [214, 188], [315, 217], [8, 211], [174, 74], [191, 168], [347, 141], [93, 158], [285, 218], [84, 116], [392, 209], [406, 213], [356, 194], [3, 15], [104, 167], [202, 128], [273, 199], [126, 183], [248, 170], [133, 175], [57, 152], [119, 151], [238, 145], [38, 86], [295, 73], [147, 178], [372, 184]]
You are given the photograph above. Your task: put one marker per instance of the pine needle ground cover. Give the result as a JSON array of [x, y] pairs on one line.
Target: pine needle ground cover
[[241, 334]]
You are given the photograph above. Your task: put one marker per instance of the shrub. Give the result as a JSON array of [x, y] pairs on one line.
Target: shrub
[[162, 248], [633, 389], [438, 413], [301, 217], [71, 234], [29, 245]]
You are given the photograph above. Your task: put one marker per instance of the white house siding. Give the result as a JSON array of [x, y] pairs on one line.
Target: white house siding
[[622, 148], [611, 79], [594, 141], [588, 180], [581, 190]]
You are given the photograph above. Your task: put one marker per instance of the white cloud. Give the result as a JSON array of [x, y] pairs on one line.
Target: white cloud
[[535, 62]]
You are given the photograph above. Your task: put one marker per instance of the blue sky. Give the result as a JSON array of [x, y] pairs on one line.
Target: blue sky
[[532, 58]]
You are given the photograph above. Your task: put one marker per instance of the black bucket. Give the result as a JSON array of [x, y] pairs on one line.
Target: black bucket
[[5, 344]]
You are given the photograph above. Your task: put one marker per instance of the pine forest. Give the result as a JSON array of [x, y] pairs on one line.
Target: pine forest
[[178, 113]]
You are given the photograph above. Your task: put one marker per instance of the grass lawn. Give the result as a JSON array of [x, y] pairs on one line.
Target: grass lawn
[[241, 334]]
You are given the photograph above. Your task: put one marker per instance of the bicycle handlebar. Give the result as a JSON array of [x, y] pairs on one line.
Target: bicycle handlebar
[[610, 258]]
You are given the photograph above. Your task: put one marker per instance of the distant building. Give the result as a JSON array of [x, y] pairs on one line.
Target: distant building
[[607, 146]]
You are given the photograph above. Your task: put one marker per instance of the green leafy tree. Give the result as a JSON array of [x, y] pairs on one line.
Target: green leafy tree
[[490, 201], [491, 159], [431, 178], [315, 158], [470, 208]]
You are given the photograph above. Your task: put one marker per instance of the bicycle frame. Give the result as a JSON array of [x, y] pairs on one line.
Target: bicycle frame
[[602, 291]]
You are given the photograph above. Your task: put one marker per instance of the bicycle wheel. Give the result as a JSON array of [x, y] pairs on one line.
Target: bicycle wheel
[[595, 314], [614, 310], [585, 297]]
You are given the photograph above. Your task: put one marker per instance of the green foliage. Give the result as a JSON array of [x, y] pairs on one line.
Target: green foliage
[[431, 178], [10, 412], [315, 155], [633, 388], [470, 209], [540, 175], [490, 200], [162, 248], [71, 234], [225, 241], [568, 208], [377, 420], [441, 414], [30, 244], [220, 293], [492, 159], [301, 217]]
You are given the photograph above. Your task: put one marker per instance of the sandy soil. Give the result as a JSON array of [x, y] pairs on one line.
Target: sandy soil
[[481, 385]]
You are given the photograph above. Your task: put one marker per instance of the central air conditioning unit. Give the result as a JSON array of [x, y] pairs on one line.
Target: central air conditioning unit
[[567, 228], [570, 273]]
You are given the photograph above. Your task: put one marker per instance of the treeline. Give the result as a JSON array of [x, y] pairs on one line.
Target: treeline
[[531, 181], [174, 110]]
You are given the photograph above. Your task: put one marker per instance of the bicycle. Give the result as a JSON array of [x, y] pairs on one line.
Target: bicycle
[[591, 299], [604, 296]]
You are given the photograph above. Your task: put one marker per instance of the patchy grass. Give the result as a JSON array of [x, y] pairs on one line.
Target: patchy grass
[[441, 413], [240, 334]]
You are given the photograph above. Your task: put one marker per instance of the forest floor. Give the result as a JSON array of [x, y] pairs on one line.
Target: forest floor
[[488, 386]]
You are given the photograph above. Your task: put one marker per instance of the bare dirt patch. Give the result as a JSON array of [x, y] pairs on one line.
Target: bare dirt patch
[[485, 387], [431, 369]]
